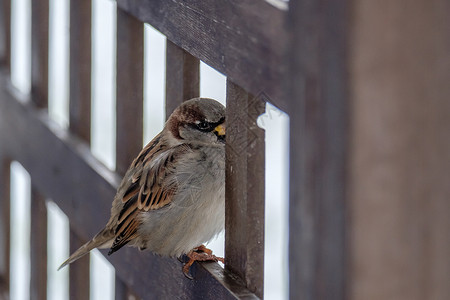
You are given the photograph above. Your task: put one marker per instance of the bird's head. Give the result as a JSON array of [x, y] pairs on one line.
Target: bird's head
[[200, 120]]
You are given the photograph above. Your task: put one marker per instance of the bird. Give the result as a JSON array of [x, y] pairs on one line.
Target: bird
[[171, 200]]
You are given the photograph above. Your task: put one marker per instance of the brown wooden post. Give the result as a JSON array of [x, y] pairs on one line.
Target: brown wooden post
[[5, 34], [318, 109], [39, 51], [130, 97], [130, 89], [38, 246], [80, 68], [80, 119], [245, 177], [5, 219], [39, 96], [5, 173], [182, 77]]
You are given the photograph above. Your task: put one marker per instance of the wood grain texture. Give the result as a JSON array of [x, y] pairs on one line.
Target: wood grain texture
[[79, 281], [245, 178], [319, 114], [400, 168], [182, 77], [81, 186], [39, 51], [38, 246], [245, 40], [130, 89], [5, 34], [80, 68]]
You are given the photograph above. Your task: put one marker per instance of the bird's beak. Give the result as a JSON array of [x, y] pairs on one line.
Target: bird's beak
[[220, 130]]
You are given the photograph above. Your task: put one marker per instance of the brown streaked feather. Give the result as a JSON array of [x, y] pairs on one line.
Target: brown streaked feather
[[128, 233], [148, 189]]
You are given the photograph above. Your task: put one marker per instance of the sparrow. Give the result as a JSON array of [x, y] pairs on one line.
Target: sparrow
[[172, 198]]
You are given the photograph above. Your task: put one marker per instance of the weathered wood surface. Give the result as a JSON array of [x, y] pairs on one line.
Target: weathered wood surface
[[38, 246], [79, 124], [5, 219], [5, 232], [245, 182], [39, 92], [73, 177], [39, 50], [245, 40], [80, 68], [130, 89], [5, 34], [182, 77], [318, 110]]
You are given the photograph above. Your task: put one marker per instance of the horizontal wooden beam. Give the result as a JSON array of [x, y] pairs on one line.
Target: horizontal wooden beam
[[245, 40], [62, 168]]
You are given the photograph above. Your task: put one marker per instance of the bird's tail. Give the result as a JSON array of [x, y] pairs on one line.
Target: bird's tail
[[103, 239]]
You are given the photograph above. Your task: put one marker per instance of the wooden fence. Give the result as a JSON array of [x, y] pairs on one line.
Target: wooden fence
[[369, 143]]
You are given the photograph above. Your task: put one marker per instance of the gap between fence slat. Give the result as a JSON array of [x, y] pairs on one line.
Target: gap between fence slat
[[130, 89], [80, 69], [5, 34], [39, 52], [38, 246], [182, 77], [244, 213], [79, 271]]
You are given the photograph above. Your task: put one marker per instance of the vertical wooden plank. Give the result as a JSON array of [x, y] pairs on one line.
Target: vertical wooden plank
[[39, 52], [130, 89], [79, 271], [400, 164], [38, 246], [318, 109], [182, 77], [80, 118], [5, 34], [129, 103], [244, 213], [5, 187], [80, 68]]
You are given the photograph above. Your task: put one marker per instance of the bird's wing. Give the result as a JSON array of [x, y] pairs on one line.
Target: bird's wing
[[149, 188]]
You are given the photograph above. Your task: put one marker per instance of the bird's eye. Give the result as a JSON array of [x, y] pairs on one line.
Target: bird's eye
[[202, 125]]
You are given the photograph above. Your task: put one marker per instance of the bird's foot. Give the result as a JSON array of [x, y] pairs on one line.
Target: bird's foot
[[200, 253]]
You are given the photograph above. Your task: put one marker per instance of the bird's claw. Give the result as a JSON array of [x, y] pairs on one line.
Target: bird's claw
[[199, 254]]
